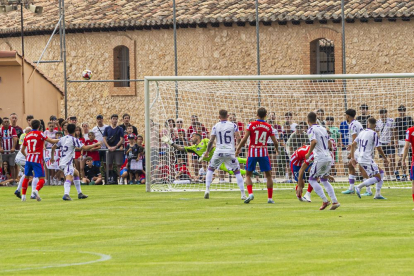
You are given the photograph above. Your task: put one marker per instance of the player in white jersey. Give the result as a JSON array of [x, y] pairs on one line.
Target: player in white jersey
[[68, 144], [20, 160], [367, 142], [321, 167], [387, 132], [224, 133], [355, 128]]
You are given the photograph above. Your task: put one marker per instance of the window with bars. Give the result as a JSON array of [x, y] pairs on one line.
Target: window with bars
[[121, 66], [322, 57]]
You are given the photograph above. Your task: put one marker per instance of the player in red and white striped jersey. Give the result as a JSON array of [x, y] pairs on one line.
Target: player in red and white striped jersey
[[259, 132], [33, 150], [297, 161]]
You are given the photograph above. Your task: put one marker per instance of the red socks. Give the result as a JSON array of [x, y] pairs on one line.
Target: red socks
[[269, 192], [310, 188], [413, 195], [25, 184], [250, 189], [40, 184]]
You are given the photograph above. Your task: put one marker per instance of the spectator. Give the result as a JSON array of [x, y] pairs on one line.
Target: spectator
[[170, 129], [298, 138], [402, 123], [133, 154], [344, 132], [92, 173], [19, 132], [200, 130], [65, 128], [141, 157], [191, 129], [99, 130], [332, 149], [387, 138], [181, 141], [182, 171], [335, 135], [180, 126], [289, 123], [363, 118], [85, 130], [129, 131], [59, 125], [55, 122], [124, 172], [93, 153], [73, 120], [51, 133], [126, 122], [79, 162], [8, 143], [240, 125], [114, 139], [42, 125], [320, 114], [29, 118], [5, 174], [274, 124]]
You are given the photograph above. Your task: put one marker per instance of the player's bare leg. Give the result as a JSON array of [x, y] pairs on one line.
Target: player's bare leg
[[249, 185], [269, 182]]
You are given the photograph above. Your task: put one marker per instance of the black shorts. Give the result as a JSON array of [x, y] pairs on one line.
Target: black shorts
[[388, 149]]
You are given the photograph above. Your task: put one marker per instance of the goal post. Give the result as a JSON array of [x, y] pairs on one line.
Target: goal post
[[288, 99]]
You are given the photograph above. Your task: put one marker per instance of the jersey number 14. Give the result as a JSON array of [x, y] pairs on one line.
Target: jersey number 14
[[262, 138]]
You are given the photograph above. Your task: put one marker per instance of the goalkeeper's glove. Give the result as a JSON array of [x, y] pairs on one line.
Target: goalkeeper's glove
[[201, 157], [167, 140]]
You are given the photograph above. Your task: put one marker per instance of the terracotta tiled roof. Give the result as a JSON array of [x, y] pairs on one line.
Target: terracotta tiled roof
[[82, 14], [13, 54]]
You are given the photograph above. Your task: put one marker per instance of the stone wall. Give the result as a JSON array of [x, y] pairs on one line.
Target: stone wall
[[371, 48]]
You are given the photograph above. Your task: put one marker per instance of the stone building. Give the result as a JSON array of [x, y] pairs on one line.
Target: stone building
[[133, 39]]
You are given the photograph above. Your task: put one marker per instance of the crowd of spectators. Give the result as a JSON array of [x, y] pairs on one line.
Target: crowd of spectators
[[123, 149]]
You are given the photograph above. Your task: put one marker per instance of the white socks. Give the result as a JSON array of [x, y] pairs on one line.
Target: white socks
[[19, 187], [78, 186], [318, 189], [379, 185], [66, 186], [351, 181], [34, 184], [209, 179], [330, 190], [240, 182], [368, 182]]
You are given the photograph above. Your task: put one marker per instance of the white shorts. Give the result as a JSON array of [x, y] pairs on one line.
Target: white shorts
[[67, 169], [20, 161], [401, 145], [371, 168], [229, 160], [320, 169]]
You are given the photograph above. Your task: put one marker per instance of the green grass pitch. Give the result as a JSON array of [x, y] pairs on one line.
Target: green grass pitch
[[131, 232]]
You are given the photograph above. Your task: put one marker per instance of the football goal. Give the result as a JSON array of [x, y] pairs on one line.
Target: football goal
[[177, 107]]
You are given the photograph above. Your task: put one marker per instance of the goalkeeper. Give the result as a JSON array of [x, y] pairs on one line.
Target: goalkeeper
[[199, 147]]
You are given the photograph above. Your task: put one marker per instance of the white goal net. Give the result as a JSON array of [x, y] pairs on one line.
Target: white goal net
[[179, 106]]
